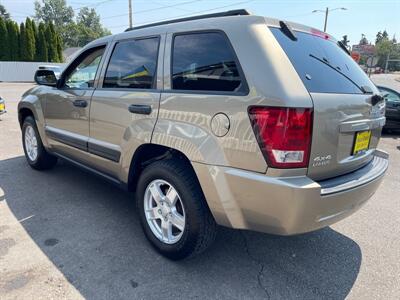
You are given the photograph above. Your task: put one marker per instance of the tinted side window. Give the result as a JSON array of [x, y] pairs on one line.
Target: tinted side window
[[82, 76], [204, 62], [133, 64]]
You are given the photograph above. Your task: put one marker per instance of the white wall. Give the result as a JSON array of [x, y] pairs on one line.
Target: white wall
[[19, 71]]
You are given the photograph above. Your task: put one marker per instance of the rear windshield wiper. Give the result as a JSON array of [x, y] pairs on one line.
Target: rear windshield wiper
[[341, 45], [287, 30], [326, 62]]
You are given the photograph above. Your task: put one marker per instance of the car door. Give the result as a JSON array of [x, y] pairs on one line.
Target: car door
[[125, 104], [67, 106], [392, 100]]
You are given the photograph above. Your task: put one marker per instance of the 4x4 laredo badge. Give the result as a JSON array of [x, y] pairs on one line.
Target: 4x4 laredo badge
[[322, 160]]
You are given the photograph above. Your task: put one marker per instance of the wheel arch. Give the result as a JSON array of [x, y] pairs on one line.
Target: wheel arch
[[24, 112], [148, 153], [31, 106]]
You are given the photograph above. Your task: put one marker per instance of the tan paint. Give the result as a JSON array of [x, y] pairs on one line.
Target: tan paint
[[241, 191]]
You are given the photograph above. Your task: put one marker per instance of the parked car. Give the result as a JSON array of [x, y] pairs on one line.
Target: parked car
[[232, 119], [2, 106], [392, 99]]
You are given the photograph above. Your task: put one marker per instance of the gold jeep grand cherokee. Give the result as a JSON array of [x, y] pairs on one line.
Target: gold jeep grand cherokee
[[231, 119]]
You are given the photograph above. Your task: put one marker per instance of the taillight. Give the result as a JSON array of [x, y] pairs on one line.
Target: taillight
[[284, 135]]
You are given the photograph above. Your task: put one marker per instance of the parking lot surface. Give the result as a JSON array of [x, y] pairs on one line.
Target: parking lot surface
[[67, 234]]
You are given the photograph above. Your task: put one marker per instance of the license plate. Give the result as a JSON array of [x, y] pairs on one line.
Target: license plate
[[361, 142], [2, 107]]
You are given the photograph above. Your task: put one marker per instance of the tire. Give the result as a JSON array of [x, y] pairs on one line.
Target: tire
[[41, 159], [199, 226]]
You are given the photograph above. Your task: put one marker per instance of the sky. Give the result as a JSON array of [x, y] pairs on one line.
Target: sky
[[360, 17]]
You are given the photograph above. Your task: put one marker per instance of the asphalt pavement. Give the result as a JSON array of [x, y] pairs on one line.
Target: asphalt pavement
[[66, 234]]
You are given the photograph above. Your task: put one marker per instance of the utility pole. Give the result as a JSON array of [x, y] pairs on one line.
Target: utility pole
[[387, 62], [326, 11], [326, 18], [130, 14]]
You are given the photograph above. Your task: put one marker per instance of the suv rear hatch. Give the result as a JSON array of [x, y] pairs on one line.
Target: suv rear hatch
[[348, 111]]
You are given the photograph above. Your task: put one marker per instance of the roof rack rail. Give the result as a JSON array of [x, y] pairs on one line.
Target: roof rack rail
[[236, 12]]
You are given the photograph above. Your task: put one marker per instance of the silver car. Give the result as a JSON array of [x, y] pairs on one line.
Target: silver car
[[231, 119]]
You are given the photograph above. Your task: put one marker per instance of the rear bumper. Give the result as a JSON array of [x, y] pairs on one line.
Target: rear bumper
[[286, 205]]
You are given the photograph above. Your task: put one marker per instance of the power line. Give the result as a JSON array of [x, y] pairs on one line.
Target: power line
[[153, 9], [92, 5], [300, 15], [178, 7], [188, 15], [219, 7]]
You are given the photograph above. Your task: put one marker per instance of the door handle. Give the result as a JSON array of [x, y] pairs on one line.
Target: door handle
[[80, 103], [140, 109]]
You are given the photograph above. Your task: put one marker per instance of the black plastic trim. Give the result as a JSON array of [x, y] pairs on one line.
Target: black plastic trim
[[87, 146], [68, 140], [140, 109], [104, 152]]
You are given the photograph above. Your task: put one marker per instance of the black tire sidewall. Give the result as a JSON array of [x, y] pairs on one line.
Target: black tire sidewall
[[29, 121], [44, 160], [187, 242]]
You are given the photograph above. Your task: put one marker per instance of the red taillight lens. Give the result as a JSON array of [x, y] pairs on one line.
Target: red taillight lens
[[284, 135]]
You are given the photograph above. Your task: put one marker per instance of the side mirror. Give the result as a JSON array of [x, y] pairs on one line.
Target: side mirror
[[46, 77]]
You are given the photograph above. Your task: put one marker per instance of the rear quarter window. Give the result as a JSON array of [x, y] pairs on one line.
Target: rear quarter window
[[322, 65], [205, 61]]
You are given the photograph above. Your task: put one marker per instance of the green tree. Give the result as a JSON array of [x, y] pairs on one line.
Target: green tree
[[385, 35], [29, 41], [59, 48], [41, 45], [89, 26], [36, 35], [3, 13], [56, 12], [86, 29], [13, 44], [387, 48], [383, 49], [4, 53], [23, 54], [51, 43], [17, 45], [378, 37], [381, 36]]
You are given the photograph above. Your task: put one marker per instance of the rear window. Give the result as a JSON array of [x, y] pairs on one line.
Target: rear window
[[205, 62], [322, 65]]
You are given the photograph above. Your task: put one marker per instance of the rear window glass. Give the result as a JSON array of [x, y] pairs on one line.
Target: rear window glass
[[322, 65], [204, 62]]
